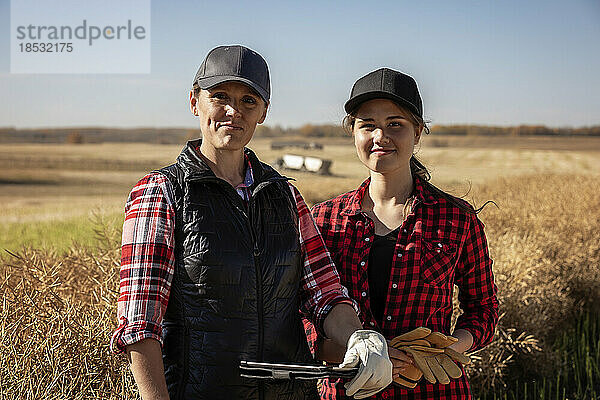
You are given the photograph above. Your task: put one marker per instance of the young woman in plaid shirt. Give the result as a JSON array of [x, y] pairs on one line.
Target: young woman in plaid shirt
[[400, 244]]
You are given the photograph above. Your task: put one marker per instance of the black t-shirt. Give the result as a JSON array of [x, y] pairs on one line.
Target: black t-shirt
[[380, 268]]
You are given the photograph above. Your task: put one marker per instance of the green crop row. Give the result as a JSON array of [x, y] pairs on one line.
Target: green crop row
[[577, 372]]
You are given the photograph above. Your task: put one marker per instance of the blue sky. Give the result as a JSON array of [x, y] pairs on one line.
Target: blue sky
[[476, 62]]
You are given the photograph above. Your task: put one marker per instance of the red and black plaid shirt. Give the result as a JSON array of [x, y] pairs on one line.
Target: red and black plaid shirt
[[438, 246]]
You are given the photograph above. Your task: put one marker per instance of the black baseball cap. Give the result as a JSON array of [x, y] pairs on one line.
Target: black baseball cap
[[234, 63], [388, 84]]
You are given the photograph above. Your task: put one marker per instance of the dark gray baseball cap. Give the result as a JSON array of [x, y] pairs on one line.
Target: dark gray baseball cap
[[388, 84], [234, 63]]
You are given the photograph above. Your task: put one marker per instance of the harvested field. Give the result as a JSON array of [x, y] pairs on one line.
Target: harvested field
[[59, 298]]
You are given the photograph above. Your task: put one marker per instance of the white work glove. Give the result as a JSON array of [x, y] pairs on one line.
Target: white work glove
[[368, 348]]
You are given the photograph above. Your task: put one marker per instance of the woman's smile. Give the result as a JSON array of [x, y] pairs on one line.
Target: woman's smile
[[228, 126], [382, 152]]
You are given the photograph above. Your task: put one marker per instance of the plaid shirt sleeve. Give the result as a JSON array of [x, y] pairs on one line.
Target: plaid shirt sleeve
[[320, 282], [477, 294], [147, 262]]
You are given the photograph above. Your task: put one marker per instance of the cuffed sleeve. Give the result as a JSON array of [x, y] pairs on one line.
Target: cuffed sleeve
[[130, 333], [147, 262]]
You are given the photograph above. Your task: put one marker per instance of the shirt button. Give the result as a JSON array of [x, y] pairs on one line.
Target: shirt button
[[438, 250], [363, 294], [394, 285], [404, 230], [372, 323], [389, 318], [367, 239], [439, 245], [399, 255], [362, 263]]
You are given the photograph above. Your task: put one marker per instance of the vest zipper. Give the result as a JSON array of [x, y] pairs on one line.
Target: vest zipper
[[255, 255], [259, 295], [259, 286], [239, 205]]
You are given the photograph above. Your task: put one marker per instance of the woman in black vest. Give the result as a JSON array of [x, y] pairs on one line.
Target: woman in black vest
[[219, 255]]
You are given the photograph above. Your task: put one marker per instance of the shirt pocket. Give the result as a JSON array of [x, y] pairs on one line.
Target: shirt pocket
[[438, 260]]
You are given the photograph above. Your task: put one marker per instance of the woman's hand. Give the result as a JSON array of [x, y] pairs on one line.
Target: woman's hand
[[465, 340], [367, 349]]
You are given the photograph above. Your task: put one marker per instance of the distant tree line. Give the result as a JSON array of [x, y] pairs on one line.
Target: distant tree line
[[307, 130], [180, 135], [97, 135], [521, 130], [310, 130]]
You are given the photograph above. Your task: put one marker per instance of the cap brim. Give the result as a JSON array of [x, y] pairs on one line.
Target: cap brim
[[210, 82], [352, 104]]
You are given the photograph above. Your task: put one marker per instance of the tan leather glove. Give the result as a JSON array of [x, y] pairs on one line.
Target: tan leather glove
[[411, 375], [426, 360], [431, 354], [441, 341], [417, 333], [409, 378]]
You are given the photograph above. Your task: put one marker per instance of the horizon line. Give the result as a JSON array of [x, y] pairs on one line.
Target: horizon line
[[286, 127]]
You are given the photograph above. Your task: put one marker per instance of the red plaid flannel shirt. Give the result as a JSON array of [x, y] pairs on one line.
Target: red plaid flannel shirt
[[148, 262], [438, 246]]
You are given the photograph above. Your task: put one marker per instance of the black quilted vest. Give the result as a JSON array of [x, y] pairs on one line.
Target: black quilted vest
[[235, 294]]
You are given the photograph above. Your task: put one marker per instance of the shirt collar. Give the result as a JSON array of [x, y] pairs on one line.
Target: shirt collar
[[353, 206], [195, 168], [249, 176], [192, 151], [421, 194]]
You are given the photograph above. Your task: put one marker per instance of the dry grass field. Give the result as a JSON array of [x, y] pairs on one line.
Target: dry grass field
[[48, 192], [59, 297]]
